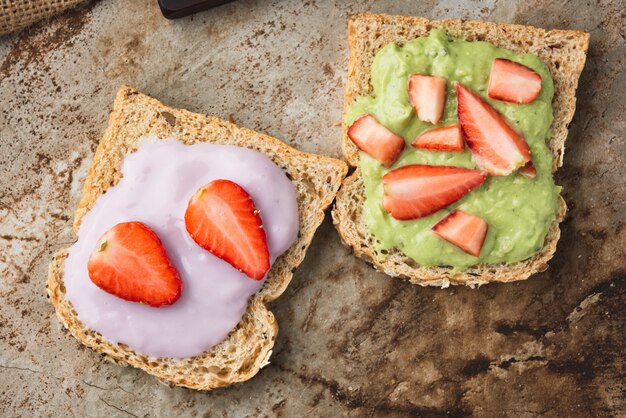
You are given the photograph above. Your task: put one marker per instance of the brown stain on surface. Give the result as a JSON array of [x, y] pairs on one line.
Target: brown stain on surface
[[122, 59], [35, 43]]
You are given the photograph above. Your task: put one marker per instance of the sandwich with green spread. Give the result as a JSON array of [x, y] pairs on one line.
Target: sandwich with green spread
[[455, 129]]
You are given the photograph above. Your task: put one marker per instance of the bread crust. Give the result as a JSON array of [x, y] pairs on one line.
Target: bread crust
[[248, 347], [563, 51]]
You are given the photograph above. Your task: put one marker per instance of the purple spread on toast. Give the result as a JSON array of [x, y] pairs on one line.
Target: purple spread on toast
[[158, 181]]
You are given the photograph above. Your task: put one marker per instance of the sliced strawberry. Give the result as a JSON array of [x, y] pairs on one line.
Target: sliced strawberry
[[415, 191], [130, 262], [222, 219], [529, 170], [427, 94], [464, 230], [445, 138], [374, 139], [496, 147], [513, 82]]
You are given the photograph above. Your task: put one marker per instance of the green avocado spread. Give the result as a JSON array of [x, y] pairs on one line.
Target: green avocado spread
[[519, 210]]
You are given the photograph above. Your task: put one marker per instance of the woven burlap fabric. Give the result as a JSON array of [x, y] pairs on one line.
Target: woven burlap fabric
[[16, 14]]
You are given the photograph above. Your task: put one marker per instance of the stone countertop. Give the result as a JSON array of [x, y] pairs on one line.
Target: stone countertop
[[352, 342]]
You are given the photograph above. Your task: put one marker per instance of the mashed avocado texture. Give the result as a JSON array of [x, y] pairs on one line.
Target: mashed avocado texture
[[519, 210]]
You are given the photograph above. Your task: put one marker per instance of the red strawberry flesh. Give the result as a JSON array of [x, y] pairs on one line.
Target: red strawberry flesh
[[495, 145], [512, 82], [222, 219], [427, 94], [130, 262], [529, 170], [445, 138], [416, 191], [376, 140], [464, 230]]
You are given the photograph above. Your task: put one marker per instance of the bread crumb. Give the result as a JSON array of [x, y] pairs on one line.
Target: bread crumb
[[266, 361]]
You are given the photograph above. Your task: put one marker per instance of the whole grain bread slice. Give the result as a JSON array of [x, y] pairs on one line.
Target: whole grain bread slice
[[248, 346], [563, 51]]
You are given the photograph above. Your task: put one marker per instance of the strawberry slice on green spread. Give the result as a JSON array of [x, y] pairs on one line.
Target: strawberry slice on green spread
[[375, 140], [427, 94], [222, 219], [512, 82], [445, 138], [415, 191], [131, 263], [495, 145], [464, 230], [529, 170]]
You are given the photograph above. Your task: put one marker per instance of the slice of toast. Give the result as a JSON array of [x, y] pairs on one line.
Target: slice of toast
[[563, 51], [248, 346]]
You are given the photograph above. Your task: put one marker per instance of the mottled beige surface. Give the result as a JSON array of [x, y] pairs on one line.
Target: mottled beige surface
[[352, 342]]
